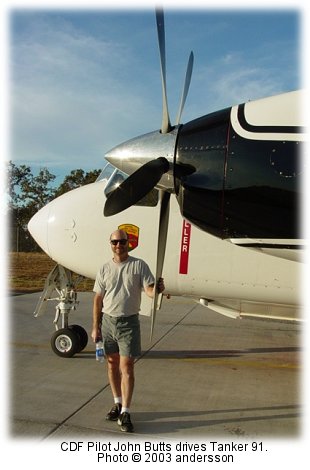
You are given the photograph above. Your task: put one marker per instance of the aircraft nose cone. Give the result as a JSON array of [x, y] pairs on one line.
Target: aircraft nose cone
[[38, 228], [69, 229]]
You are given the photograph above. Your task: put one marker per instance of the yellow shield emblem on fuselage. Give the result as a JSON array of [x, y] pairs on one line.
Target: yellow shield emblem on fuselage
[[133, 235]]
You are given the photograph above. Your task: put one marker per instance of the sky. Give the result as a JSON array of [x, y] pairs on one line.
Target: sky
[[81, 81]]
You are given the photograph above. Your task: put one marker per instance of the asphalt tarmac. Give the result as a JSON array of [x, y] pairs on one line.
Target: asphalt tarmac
[[203, 375]]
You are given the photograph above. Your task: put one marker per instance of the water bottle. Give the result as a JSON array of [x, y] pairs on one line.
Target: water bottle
[[99, 351]]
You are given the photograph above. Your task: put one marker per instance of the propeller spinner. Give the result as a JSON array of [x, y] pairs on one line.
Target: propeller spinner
[[149, 175]]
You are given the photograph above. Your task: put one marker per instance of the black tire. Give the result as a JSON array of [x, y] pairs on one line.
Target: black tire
[[82, 334], [65, 342]]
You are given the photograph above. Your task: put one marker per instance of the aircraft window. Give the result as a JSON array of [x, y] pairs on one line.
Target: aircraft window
[[106, 172], [117, 177], [115, 180]]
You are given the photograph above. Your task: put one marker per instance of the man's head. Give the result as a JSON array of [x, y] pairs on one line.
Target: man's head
[[119, 243]]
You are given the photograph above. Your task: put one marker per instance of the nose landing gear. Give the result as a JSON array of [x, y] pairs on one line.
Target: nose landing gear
[[68, 339]]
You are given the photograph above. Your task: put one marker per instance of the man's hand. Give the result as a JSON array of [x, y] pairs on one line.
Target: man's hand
[[96, 334], [160, 285]]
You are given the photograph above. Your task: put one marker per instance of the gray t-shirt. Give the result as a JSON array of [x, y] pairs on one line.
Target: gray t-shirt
[[121, 285]]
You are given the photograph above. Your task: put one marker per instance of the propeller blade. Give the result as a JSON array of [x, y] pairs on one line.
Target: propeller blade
[[136, 186], [161, 249], [186, 86], [166, 125]]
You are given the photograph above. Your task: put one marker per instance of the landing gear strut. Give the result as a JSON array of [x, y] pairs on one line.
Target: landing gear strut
[[68, 339]]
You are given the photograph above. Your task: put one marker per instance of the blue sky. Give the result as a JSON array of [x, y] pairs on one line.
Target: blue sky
[[83, 81]]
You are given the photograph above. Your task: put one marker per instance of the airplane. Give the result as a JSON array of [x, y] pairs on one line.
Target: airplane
[[229, 239]]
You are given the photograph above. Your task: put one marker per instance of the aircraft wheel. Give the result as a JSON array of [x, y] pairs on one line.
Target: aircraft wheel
[[65, 342], [82, 334]]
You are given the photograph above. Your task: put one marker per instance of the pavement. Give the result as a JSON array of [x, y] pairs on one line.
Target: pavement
[[203, 375]]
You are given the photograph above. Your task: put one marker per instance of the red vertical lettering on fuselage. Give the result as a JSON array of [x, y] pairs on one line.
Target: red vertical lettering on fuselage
[[185, 244]]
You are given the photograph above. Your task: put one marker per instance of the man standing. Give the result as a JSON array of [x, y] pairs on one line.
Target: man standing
[[117, 290]]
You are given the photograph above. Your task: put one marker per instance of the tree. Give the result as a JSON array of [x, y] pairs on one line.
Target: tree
[[16, 176], [76, 179], [28, 193]]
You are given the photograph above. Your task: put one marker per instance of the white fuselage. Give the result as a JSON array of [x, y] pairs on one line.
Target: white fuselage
[[73, 231]]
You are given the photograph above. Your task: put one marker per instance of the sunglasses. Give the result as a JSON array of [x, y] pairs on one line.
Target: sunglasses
[[122, 241]]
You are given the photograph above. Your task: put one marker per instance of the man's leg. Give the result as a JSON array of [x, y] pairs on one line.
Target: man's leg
[[127, 379], [114, 374], [115, 383], [127, 384]]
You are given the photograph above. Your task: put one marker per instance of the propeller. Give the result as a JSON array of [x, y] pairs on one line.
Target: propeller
[[136, 186], [161, 250], [142, 181], [165, 126], [187, 82]]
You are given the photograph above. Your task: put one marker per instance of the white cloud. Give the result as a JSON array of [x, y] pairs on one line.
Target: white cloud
[[68, 95]]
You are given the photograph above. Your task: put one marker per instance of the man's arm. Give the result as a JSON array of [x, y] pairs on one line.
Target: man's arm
[[97, 316]]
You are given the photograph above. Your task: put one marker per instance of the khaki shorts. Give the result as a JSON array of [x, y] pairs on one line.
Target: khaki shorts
[[121, 335]]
